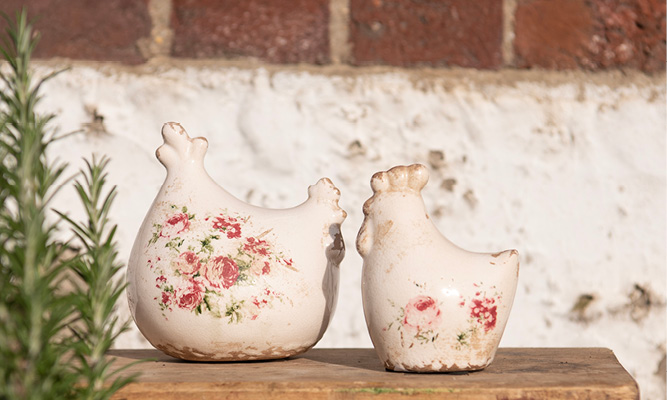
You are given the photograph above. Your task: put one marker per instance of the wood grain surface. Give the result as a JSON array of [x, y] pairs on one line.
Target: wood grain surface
[[516, 373]]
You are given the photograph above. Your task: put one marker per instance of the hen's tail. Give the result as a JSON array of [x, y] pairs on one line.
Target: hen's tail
[[179, 148], [324, 192], [507, 257]]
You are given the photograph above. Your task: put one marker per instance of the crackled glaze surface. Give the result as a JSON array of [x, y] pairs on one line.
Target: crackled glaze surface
[[212, 278], [430, 306]]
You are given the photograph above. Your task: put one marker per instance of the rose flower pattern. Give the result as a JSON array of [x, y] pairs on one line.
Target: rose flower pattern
[[192, 296], [421, 313], [484, 312], [218, 271], [175, 225], [230, 226], [187, 263], [221, 272], [420, 320]]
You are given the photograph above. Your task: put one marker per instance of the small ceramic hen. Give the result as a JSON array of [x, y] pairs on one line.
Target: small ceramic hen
[[212, 278], [430, 306]]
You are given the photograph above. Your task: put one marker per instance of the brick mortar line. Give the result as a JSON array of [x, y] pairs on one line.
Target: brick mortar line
[[466, 76], [509, 10], [339, 31], [158, 45]]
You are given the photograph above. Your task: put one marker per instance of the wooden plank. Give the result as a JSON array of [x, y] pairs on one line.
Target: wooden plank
[[517, 373]]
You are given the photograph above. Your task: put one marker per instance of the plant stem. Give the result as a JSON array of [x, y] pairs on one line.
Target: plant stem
[[36, 320]]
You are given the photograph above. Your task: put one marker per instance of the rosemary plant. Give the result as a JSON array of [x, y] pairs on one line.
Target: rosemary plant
[[95, 300], [52, 342]]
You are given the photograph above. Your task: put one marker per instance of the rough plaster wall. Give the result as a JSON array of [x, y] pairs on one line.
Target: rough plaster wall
[[568, 170]]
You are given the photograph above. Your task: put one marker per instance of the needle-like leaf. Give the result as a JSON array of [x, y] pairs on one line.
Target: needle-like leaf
[[52, 340]]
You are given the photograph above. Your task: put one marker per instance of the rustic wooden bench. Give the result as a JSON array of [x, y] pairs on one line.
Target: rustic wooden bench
[[516, 373]]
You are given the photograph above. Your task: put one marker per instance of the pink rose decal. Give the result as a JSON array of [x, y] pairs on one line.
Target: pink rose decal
[[258, 266], [175, 225], [166, 298], [222, 272], [192, 296], [256, 246], [203, 259], [422, 313], [228, 225], [260, 252], [187, 263], [485, 311]]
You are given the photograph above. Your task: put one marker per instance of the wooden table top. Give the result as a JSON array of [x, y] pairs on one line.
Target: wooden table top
[[516, 373]]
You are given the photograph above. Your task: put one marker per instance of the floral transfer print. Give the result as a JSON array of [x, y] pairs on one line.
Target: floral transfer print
[[187, 263], [228, 225], [421, 313], [175, 225], [483, 313], [225, 280], [419, 321], [221, 272]]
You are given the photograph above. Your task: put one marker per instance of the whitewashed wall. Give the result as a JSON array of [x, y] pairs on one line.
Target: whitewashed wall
[[567, 168]]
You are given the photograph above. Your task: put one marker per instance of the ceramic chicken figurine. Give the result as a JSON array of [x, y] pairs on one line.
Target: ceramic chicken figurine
[[211, 278], [430, 306]]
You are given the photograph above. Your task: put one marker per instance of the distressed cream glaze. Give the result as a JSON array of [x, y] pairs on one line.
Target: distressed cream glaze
[[211, 278], [430, 306]]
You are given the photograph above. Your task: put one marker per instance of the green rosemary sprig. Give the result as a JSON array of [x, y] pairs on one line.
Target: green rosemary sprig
[[52, 341], [97, 267], [32, 315]]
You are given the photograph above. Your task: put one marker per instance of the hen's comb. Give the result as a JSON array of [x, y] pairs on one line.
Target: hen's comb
[[179, 148], [399, 178]]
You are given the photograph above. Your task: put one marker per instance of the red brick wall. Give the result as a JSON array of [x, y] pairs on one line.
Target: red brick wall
[[547, 34], [591, 34], [461, 33], [81, 29]]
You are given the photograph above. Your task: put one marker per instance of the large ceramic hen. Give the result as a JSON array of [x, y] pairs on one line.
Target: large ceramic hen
[[212, 278], [429, 305]]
